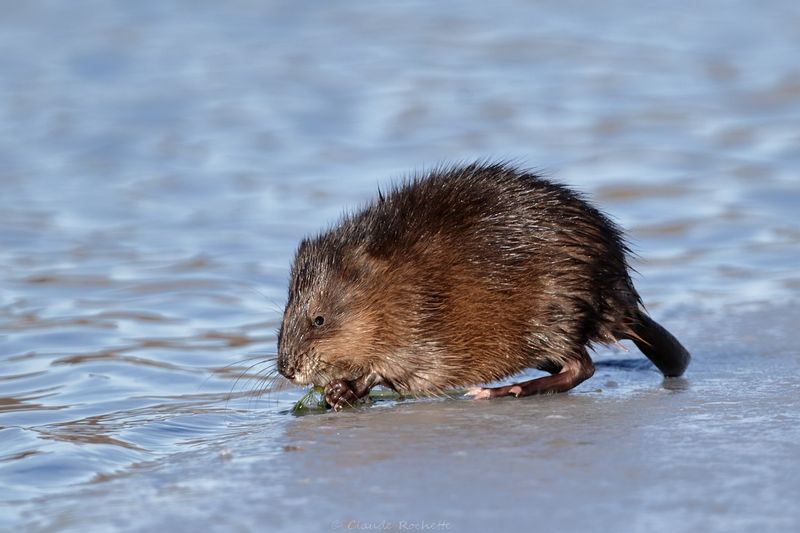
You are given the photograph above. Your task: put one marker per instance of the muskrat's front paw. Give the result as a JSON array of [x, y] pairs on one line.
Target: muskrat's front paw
[[339, 393]]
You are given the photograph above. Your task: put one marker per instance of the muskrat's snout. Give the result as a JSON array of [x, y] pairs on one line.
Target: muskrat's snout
[[285, 367], [286, 364]]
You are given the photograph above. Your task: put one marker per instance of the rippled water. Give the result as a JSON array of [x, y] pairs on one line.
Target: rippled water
[[160, 161]]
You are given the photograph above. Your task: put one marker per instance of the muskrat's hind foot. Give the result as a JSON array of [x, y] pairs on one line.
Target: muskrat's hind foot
[[571, 375]]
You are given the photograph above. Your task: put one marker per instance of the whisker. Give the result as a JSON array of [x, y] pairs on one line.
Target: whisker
[[242, 375], [262, 384], [221, 369], [277, 308]]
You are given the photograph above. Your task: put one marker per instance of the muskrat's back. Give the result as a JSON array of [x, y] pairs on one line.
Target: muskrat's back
[[467, 275]]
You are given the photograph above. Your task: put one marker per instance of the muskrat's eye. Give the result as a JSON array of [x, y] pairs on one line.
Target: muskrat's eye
[[319, 321]]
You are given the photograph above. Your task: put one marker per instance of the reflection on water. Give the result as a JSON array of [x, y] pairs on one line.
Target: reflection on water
[[158, 164]]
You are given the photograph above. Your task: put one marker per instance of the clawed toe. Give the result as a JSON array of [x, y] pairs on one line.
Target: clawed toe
[[339, 394], [479, 393]]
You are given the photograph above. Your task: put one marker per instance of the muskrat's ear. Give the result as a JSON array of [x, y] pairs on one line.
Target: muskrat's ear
[[361, 265], [302, 247]]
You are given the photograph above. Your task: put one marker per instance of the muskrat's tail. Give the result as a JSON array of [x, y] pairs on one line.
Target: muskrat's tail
[[658, 345]]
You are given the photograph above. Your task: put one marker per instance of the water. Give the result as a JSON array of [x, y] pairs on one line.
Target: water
[[159, 163]]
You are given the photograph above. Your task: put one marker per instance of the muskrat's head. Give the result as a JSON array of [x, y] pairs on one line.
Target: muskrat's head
[[328, 325]]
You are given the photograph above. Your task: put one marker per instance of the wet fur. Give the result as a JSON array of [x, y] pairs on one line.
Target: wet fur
[[460, 277]]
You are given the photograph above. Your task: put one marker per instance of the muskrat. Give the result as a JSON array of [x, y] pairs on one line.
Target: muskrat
[[467, 275]]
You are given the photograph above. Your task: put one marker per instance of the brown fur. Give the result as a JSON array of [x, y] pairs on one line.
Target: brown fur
[[467, 275]]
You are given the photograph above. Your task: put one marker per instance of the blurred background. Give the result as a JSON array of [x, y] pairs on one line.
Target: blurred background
[[159, 162]]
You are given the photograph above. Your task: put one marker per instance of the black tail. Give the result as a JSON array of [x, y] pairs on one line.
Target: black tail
[[659, 346]]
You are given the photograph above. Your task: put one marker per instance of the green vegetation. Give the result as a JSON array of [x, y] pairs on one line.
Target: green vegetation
[[314, 399]]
